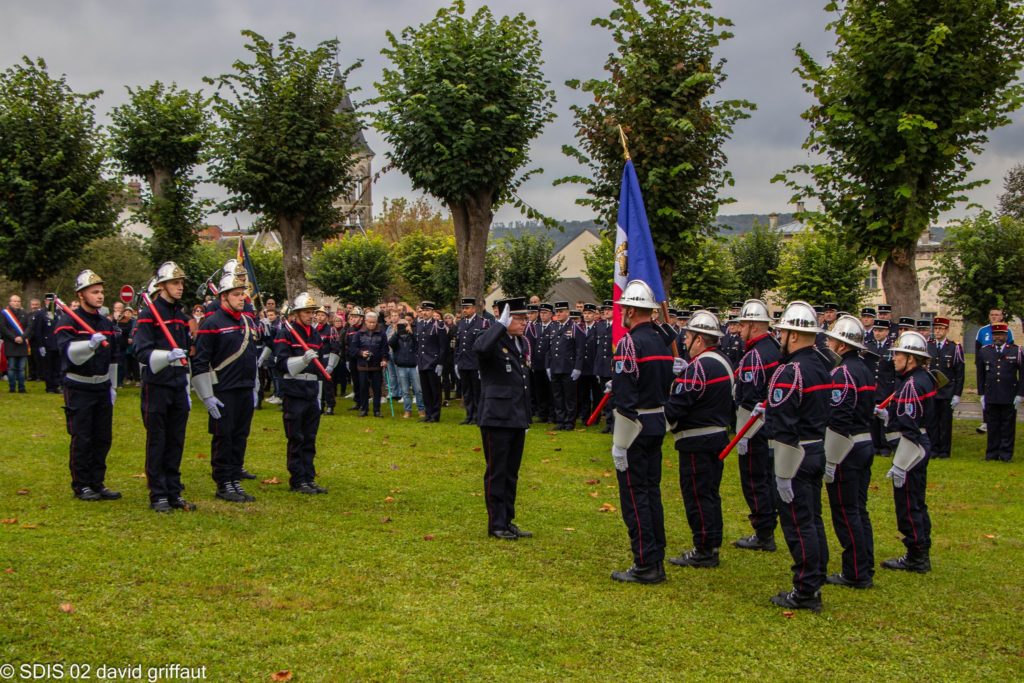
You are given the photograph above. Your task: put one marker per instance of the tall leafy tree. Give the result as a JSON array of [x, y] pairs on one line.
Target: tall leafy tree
[[661, 80], [460, 104], [159, 135], [353, 268], [526, 265], [981, 266], [118, 259], [755, 256], [903, 104], [1011, 201], [818, 266], [709, 279], [422, 259], [55, 197], [599, 264], [286, 145]]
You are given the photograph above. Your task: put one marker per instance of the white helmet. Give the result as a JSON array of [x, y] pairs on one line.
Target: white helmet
[[356, 310], [304, 302], [168, 271], [230, 281], [87, 278], [754, 311], [913, 343], [799, 316], [151, 287], [704, 322], [231, 266], [849, 331], [638, 295]]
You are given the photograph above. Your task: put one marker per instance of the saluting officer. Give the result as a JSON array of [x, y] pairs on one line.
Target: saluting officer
[[796, 414], [300, 389], [603, 361], [878, 356], [640, 385], [849, 453], [908, 416], [947, 358], [754, 456], [1001, 387], [699, 410], [165, 388], [467, 367], [564, 366], [90, 388], [504, 414], [432, 340], [224, 375]]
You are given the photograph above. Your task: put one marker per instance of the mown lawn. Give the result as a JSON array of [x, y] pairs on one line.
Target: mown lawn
[[391, 575]]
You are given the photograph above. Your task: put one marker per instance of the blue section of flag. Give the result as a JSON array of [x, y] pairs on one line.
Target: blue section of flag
[[249, 269], [640, 259]]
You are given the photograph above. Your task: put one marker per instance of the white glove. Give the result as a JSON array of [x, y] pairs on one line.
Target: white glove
[[678, 365], [898, 476], [42, 351], [96, 339], [506, 316], [255, 396], [439, 369], [1016, 401], [113, 394], [785, 488], [983, 403], [619, 458], [457, 375], [743, 446], [758, 410], [176, 354], [308, 356], [575, 375], [882, 414], [954, 402], [830, 472], [608, 387], [213, 406], [549, 374]]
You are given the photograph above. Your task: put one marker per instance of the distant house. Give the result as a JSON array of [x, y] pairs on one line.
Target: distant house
[[574, 285]]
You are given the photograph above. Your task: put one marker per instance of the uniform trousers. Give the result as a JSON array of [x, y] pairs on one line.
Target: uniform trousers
[[89, 416], [230, 434], [912, 518], [503, 454], [1002, 431], [941, 431], [802, 524], [430, 384], [757, 480], [848, 500], [563, 398], [301, 423], [700, 477], [165, 415], [470, 381], [640, 500]]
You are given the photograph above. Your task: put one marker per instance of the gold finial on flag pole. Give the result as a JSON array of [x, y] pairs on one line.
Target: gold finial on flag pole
[[622, 138]]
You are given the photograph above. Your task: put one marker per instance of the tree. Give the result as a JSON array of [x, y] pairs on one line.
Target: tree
[[709, 279], [660, 81], [287, 145], [159, 135], [421, 260], [399, 217], [461, 104], [269, 267], [819, 266], [755, 256], [206, 258], [599, 264], [526, 265], [982, 266], [118, 259], [907, 98], [55, 196], [353, 268], [1011, 202]]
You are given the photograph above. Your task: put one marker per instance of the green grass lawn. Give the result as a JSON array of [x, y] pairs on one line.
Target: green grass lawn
[[392, 577]]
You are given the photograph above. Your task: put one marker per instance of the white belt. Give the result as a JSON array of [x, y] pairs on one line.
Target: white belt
[[699, 431], [808, 442], [650, 411], [304, 376], [861, 438], [892, 436], [94, 379]]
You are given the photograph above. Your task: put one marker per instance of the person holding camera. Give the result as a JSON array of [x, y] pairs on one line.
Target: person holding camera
[[404, 348]]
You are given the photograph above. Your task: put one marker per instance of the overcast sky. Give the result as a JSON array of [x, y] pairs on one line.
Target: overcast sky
[[108, 44]]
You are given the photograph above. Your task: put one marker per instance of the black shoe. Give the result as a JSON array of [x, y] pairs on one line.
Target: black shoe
[[87, 493], [161, 505], [362, 413], [796, 600], [180, 503], [305, 487], [328, 410], [652, 573], [921, 565], [755, 542], [840, 580], [377, 415], [107, 494], [240, 491], [519, 532], [226, 491], [503, 534], [21, 390], [701, 559], [467, 421], [354, 408], [246, 474], [319, 489]]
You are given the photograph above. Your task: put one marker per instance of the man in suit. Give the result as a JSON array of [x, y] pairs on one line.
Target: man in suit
[[947, 358]]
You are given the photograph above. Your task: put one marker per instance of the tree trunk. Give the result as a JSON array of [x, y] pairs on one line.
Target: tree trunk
[[31, 288], [290, 229], [157, 179], [472, 219], [668, 268], [899, 278]]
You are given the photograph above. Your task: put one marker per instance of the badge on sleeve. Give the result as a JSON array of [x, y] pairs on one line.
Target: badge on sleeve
[[837, 396], [748, 376], [777, 395], [618, 367]]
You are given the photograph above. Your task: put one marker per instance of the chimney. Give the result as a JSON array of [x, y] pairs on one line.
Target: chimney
[[773, 220], [799, 207]]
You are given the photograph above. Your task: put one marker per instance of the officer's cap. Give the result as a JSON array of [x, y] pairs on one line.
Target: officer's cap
[[468, 301], [884, 324], [427, 305], [884, 308], [516, 305], [532, 308], [561, 305], [589, 307], [924, 323], [606, 304], [831, 306], [941, 322], [695, 307], [907, 322], [547, 307], [819, 309], [867, 311], [1000, 328]]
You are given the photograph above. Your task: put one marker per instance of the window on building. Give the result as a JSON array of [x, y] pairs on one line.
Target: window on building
[[871, 281]]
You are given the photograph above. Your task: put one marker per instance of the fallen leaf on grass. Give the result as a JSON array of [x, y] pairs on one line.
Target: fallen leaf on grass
[[23, 492], [990, 535], [385, 520], [568, 528], [393, 466], [476, 449], [606, 474], [593, 494], [551, 433], [368, 430], [12, 520], [606, 507], [788, 614], [592, 482], [201, 456], [140, 475], [39, 436], [389, 499], [272, 480], [283, 675], [428, 537], [67, 608], [9, 570]]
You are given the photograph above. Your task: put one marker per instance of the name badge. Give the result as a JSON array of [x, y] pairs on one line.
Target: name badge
[[508, 367]]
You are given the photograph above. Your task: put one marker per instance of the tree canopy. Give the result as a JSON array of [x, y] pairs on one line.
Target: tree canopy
[[526, 265], [818, 266], [709, 279], [353, 268], [755, 256]]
